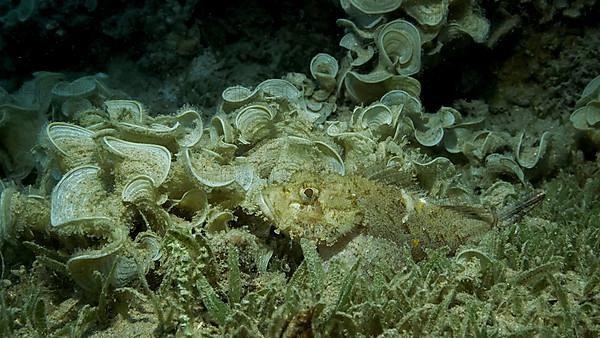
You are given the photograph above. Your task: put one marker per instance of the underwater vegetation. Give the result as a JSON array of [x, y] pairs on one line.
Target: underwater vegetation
[[330, 203]]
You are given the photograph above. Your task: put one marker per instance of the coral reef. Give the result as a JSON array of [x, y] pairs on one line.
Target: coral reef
[[331, 200]]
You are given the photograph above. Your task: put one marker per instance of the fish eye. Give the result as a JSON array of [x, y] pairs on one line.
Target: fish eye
[[309, 195]]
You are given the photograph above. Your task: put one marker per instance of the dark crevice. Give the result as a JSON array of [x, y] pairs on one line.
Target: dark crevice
[[462, 70]]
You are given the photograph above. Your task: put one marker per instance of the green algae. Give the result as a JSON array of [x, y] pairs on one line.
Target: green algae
[[535, 276]]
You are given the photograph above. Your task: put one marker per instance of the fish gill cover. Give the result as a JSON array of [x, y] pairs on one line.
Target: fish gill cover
[[286, 169]]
